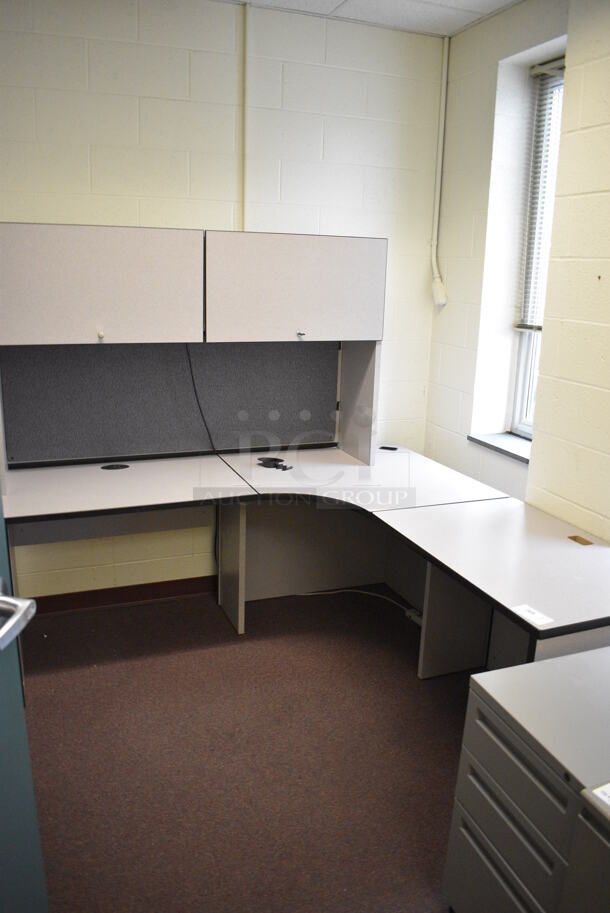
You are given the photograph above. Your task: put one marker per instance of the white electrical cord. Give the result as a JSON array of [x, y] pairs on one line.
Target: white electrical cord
[[410, 613], [439, 292]]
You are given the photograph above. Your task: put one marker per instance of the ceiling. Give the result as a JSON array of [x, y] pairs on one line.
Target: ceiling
[[435, 17]]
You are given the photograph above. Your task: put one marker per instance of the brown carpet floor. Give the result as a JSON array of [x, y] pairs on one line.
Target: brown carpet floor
[[302, 768]]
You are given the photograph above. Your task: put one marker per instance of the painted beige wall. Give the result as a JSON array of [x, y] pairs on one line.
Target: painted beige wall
[[120, 112], [131, 112], [341, 133], [570, 468], [569, 473], [474, 59], [114, 112], [118, 560]]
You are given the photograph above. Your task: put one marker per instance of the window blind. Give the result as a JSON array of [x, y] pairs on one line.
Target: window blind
[[545, 153]]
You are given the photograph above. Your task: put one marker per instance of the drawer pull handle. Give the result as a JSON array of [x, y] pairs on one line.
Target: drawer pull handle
[[514, 825], [521, 762], [489, 862]]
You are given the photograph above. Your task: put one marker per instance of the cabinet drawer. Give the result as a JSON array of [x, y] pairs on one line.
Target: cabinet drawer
[[518, 842], [477, 879], [534, 788], [586, 886]]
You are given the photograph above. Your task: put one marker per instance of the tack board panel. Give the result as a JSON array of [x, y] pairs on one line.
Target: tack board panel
[[267, 394], [102, 402], [66, 284], [272, 287], [96, 402]]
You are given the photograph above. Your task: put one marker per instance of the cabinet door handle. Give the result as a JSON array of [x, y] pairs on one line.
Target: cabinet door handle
[[300, 335]]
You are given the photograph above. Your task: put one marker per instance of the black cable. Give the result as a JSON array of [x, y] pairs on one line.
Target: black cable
[[237, 473], [201, 412], [196, 392]]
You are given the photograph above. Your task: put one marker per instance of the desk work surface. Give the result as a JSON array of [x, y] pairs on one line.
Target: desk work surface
[[561, 706], [86, 488], [401, 479], [397, 480], [519, 556]]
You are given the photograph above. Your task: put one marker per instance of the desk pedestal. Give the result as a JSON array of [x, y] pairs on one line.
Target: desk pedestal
[[455, 626], [232, 563]]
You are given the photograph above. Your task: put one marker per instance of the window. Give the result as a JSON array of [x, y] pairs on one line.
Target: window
[[545, 152]]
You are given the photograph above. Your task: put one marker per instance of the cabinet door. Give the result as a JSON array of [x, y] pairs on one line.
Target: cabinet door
[[272, 287], [77, 284]]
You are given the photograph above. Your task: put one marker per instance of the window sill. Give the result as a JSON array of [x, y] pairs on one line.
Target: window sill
[[518, 448]]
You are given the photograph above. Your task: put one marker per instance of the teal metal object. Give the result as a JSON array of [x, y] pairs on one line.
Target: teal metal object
[[4, 564], [22, 881]]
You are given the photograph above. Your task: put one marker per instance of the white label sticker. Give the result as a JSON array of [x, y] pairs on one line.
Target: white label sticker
[[537, 618], [603, 793]]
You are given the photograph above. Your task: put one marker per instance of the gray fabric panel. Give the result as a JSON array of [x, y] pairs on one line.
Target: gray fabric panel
[[99, 401], [267, 394], [70, 403]]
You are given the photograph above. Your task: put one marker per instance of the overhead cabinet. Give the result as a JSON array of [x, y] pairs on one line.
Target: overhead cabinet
[[62, 284], [263, 287]]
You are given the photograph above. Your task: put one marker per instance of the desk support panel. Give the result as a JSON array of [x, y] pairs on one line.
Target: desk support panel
[[455, 627], [359, 393], [232, 563]]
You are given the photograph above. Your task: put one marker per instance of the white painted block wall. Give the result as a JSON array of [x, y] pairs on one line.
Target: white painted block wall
[[341, 127], [132, 113], [119, 560], [570, 470], [474, 58], [121, 112]]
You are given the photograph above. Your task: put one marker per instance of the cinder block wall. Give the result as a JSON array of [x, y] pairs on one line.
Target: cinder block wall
[[143, 112], [128, 557], [341, 131], [570, 468], [131, 112], [471, 113], [121, 112], [569, 471]]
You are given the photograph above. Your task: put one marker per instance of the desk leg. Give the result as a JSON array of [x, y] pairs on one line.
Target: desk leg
[[232, 563], [455, 626]]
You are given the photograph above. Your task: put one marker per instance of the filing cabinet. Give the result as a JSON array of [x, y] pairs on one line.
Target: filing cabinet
[[527, 833], [587, 882]]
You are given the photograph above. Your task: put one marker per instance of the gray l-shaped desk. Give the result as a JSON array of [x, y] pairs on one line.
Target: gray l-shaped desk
[[549, 593]]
